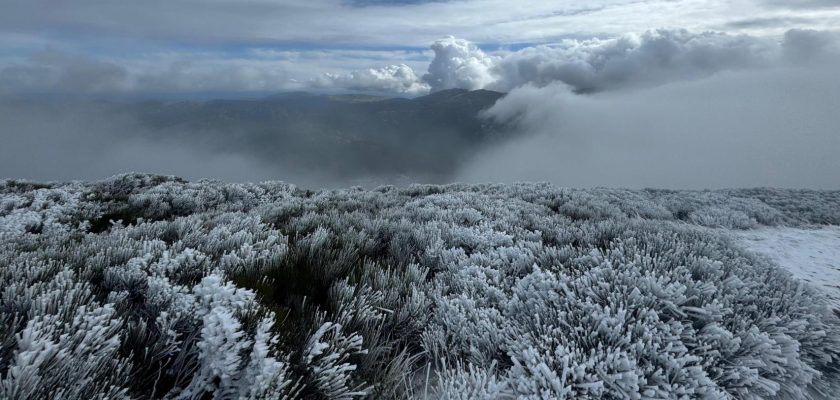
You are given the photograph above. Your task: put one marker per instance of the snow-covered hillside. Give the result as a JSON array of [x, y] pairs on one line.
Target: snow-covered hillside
[[144, 286]]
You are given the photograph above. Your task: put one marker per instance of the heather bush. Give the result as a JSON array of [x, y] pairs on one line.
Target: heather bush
[[144, 286]]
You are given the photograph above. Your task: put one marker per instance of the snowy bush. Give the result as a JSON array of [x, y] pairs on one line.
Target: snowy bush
[[144, 286]]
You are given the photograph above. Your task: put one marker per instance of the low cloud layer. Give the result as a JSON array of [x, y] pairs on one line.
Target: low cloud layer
[[61, 141], [52, 71], [186, 46], [628, 61], [666, 108], [648, 59], [55, 71], [774, 127]]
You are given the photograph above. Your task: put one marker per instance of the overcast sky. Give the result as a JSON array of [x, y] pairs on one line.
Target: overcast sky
[[193, 46]]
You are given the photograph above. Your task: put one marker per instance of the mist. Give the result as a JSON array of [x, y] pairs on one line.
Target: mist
[[772, 127], [667, 109], [309, 140], [51, 140]]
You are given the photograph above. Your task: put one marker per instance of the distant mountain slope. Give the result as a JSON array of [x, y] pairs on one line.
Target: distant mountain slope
[[349, 135]]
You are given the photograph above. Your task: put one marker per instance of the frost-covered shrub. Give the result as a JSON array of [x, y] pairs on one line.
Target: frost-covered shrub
[[69, 354], [144, 286], [761, 206], [471, 382], [722, 218], [797, 206]]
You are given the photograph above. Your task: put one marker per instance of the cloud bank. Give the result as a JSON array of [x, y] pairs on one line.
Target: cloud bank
[[88, 141], [57, 71], [665, 108], [653, 58], [773, 127], [648, 59], [628, 61], [61, 71], [185, 46]]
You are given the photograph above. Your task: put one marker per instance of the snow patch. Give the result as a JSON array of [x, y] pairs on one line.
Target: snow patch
[[812, 255]]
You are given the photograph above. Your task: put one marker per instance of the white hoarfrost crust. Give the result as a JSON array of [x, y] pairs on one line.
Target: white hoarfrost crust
[[146, 286], [811, 255]]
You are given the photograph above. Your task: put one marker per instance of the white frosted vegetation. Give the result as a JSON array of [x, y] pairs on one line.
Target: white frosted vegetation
[[151, 287]]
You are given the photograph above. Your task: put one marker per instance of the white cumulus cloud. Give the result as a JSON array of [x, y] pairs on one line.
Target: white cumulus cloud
[[459, 64], [399, 79], [632, 60], [650, 59]]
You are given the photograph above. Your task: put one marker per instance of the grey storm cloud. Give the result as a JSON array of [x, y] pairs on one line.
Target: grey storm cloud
[[802, 45]]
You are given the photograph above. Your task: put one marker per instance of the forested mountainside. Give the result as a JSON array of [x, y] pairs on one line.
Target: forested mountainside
[[144, 286]]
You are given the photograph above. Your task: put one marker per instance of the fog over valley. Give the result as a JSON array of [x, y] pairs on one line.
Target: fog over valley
[[663, 109]]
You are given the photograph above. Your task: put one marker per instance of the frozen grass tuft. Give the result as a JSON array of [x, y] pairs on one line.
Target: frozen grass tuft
[[152, 287]]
